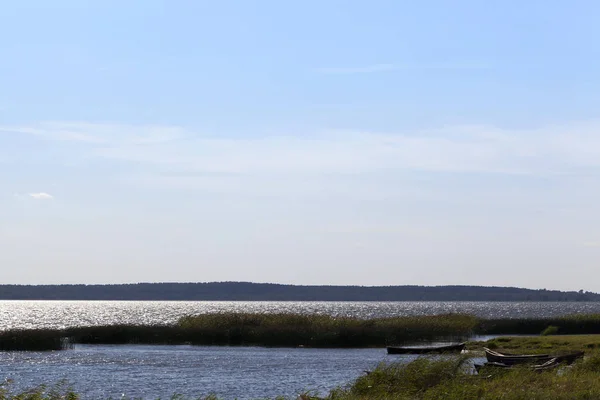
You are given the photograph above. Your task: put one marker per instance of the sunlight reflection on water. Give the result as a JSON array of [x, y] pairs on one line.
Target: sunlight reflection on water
[[60, 314]]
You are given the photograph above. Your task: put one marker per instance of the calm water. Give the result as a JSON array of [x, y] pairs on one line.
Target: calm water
[[160, 371], [60, 314]]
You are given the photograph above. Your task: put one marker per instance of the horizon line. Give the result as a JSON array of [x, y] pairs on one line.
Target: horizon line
[[289, 284]]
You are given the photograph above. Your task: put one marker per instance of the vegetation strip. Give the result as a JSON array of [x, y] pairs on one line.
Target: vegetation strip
[[452, 378], [291, 330]]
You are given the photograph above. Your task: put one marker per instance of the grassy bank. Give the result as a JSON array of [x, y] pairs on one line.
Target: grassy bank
[[450, 379], [291, 330], [542, 344]]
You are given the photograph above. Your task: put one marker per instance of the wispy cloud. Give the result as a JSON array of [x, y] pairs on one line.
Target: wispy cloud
[[50, 132], [478, 149], [459, 149], [357, 70], [41, 196], [99, 133], [399, 67]]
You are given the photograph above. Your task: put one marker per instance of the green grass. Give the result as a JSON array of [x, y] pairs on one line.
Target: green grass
[[551, 330], [59, 391], [62, 391], [404, 380], [448, 379], [542, 344]]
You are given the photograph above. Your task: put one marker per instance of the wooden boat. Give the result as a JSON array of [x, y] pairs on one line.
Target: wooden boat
[[539, 359], [550, 364], [451, 348], [510, 359]]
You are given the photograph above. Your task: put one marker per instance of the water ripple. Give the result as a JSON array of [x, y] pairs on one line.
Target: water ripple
[[61, 314]]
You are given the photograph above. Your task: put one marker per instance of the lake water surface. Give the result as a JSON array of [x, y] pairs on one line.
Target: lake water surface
[[60, 314], [151, 372]]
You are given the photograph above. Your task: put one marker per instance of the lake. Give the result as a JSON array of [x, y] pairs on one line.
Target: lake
[[161, 371], [151, 372], [61, 314]]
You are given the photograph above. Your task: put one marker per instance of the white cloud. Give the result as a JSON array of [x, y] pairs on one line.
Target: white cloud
[[477, 149], [172, 151], [41, 196], [99, 134], [54, 134]]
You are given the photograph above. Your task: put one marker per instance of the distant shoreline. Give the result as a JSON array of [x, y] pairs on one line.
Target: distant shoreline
[[246, 291]]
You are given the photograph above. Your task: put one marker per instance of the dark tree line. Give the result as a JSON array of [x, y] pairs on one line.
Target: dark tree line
[[275, 292]]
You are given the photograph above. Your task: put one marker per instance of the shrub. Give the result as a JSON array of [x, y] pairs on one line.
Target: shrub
[[551, 330]]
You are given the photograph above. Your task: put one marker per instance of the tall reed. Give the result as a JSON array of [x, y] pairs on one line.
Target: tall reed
[[285, 329], [32, 340], [321, 330], [566, 325]]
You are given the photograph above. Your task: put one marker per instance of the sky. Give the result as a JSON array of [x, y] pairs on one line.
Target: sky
[[309, 142]]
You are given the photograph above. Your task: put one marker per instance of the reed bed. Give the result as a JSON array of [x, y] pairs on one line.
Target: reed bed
[[32, 340], [127, 334], [292, 330], [235, 329], [321, 330], [567, 325]]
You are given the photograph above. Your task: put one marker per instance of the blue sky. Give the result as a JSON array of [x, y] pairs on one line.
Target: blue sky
[[329, 142]]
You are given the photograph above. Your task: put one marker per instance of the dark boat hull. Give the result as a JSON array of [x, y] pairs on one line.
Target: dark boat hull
[[550, 364], [453, 348], [510, 359], [569, 358], [539, 359]]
